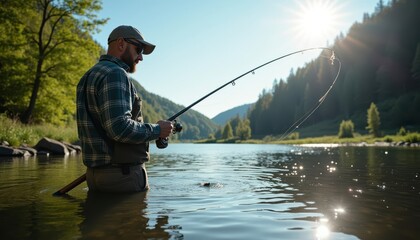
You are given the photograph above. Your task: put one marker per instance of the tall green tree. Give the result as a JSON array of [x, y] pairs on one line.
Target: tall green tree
[[258, 115], [227, 131], [57, 47], [243, 130], [415, 69], [234, 123], [373, 120], [14, 67]]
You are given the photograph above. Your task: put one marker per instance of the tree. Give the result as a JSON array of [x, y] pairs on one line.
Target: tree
[[379, 6], [415, 69], [234, 123], [219, 133], [258, 114], [373, 120], [243, 130], [227, 131], [14, 66], [57, 34]]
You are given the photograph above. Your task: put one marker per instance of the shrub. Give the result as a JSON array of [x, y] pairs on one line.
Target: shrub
[[293, 136], [346, 129], [15, 133], [413, 138], [402, 132]]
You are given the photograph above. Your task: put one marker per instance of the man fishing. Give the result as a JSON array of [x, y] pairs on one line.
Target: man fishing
[[107, 91], [114, 138]]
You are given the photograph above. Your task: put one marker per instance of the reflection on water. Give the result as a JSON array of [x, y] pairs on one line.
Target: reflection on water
[[223, 191], [108, 216]]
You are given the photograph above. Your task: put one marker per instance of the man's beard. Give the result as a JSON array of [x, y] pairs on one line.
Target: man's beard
[[126, 58]]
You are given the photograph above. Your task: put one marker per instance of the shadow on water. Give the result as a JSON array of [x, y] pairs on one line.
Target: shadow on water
[[108, 216], [29, 211]]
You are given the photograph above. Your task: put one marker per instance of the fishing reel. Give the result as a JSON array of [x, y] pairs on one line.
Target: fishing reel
[[163, 142], [177, 127]]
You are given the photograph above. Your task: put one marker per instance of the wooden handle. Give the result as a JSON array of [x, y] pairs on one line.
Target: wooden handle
[[71, 185]]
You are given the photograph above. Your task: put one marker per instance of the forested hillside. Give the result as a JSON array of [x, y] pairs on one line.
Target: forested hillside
[[195, 125], [223, 117], [380, 64]]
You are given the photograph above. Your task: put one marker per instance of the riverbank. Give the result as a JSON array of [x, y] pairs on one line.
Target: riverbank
[[407, 140], [362, 144], [410, 139], [17, 134]]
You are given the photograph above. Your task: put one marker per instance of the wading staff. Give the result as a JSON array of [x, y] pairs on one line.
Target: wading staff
[[71, 185], [163, 143]]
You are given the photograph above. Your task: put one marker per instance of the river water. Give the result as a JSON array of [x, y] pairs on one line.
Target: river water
[[223, 191]]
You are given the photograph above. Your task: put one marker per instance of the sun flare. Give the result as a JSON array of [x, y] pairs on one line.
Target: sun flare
[[315, 21]]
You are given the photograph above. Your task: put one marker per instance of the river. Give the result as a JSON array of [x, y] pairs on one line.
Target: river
[[223, 191]]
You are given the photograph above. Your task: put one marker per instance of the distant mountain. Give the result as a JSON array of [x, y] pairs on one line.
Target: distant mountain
[[224, 117], [195, 125]]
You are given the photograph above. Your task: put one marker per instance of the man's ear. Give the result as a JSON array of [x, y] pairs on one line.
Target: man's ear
[[121, 44]]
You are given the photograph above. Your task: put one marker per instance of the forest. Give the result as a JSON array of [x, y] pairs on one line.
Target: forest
[[380, 64]]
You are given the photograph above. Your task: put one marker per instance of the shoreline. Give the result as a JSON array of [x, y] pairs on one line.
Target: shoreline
[[361, 144]]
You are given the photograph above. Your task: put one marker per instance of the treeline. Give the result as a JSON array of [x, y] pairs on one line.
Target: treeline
[[380, 64], [235, 128]]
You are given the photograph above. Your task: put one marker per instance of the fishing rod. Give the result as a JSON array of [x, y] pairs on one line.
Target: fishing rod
[[163, 142]]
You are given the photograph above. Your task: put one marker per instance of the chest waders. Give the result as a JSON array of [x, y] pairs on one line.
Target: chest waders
[[126, 154]]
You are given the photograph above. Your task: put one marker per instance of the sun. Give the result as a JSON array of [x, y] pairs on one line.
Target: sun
[[315, 21]]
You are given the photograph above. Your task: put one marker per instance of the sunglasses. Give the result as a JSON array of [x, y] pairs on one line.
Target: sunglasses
[[139, 46]]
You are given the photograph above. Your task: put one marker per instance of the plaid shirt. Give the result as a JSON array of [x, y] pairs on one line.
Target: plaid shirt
[[110, 95]]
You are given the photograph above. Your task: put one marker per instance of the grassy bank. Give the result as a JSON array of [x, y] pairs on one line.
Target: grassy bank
[[410, 138], [16, 133]]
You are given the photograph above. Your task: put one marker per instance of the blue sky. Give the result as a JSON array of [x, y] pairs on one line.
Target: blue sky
[[201, 45]]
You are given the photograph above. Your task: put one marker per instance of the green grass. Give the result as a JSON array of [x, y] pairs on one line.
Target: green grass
[[16, 133], [358, 138], [410, 137]]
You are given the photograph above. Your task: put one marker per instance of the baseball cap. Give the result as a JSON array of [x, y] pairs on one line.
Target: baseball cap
[[124, 31]]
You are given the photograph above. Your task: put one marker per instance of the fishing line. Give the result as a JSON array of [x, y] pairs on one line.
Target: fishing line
[[163, 143], [301, 120]]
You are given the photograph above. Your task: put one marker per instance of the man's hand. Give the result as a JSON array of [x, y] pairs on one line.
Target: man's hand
[[165, 128]]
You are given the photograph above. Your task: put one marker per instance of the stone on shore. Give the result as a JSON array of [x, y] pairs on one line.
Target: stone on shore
[[52, 146], [32, 151], [73, 149], [12, 152]]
